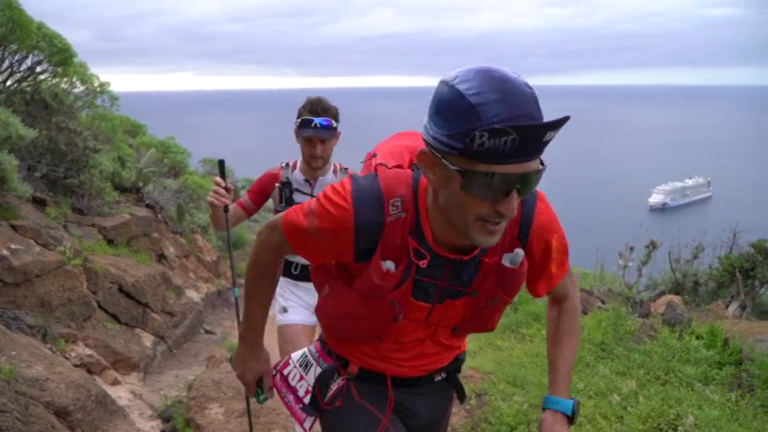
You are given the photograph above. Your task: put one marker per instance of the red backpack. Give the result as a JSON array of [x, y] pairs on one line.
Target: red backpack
[[397, 151]]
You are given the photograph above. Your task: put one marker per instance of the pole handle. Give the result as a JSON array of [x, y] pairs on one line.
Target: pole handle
[[223, 170], [223, 176], [261, 397]]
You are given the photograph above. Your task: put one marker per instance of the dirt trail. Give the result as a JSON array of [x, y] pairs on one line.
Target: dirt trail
[[171, 376]]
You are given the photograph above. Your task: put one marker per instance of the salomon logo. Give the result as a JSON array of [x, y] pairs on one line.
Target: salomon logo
[[395, 209]]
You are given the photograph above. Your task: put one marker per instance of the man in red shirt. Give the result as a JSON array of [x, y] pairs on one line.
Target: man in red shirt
[[409, 262], [316, 131]]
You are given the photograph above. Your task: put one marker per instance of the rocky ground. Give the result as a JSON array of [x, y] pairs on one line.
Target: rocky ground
[[105, 321]]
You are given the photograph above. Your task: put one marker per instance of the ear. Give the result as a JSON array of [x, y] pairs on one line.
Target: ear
[[431, 166], [338, 137]]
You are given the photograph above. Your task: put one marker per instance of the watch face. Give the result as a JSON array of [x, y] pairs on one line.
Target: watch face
[[575, 413]]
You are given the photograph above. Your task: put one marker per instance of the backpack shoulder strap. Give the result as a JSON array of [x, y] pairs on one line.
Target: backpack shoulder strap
[[384, 208], [341, 172], [286, 168], [527, 216], [285, 186]]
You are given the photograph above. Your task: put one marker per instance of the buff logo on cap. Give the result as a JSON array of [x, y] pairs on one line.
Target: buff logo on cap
[[496, 139]]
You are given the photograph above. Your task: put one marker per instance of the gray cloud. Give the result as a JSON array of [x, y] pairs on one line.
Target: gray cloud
[[407, 37]]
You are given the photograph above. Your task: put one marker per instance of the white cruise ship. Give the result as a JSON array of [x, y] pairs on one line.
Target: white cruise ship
[[677, 193]]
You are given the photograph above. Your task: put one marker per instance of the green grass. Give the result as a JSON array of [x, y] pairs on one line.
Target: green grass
[[58, 213], [174, 411], [230, 346], [7, 372], [69, 254], [597, 279], [672, 383], [61, 345], [8, 214], [104, 248]]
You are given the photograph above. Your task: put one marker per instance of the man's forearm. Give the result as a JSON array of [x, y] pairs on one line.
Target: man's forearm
[[216, 214], [261, 280], [563, 337], [218, 218]]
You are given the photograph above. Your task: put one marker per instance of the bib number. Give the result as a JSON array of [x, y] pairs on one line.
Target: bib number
[[294, 378]]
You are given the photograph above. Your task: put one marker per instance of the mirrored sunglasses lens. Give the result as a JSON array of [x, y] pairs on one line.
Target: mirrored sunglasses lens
[[315, 123], [496, 186]]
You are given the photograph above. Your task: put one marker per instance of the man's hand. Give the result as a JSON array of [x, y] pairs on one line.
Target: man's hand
[[250, 365], [221, 194], [553, 421]]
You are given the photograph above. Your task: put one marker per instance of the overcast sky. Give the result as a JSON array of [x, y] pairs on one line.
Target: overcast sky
[[559, 41]]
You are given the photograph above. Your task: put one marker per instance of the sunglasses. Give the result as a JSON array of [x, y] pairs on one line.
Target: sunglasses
[[316, 123], [495, 186]]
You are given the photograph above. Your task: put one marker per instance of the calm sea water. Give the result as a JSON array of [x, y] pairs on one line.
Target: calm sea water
[[620, 143]]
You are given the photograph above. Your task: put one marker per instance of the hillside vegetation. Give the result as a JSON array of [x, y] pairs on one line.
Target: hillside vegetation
[[702, 371], [108, 280], [677, 381], [61, 134]]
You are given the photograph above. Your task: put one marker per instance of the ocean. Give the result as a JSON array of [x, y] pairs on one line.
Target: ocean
[[620, 143]]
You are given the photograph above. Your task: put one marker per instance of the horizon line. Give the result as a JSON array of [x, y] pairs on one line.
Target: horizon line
[[669, 77], [258, 89]]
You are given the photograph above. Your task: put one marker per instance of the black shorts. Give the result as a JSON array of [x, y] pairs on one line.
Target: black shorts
[[363, 408], [372, 402]]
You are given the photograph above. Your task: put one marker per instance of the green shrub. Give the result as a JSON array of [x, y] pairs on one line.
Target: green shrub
[[13, 134]]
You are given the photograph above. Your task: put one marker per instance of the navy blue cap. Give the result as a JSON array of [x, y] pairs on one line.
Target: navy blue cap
[[489, 115]]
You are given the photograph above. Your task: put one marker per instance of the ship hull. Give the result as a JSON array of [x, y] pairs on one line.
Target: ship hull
[[677, 203]]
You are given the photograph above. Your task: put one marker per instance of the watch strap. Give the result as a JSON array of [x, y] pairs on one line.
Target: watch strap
[[554, 403]]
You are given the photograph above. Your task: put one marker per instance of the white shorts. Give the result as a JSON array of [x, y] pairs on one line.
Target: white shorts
[[295, 303]]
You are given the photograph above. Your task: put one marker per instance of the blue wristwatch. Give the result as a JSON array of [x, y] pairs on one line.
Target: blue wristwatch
[[568, 407]]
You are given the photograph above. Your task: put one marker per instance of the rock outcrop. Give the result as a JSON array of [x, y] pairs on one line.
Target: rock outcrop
[[42, 392], [87, 301]]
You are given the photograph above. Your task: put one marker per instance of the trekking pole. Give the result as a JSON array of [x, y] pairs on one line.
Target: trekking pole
[[235, 291]]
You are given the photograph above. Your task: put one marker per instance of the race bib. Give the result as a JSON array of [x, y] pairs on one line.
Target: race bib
[[294, 378]]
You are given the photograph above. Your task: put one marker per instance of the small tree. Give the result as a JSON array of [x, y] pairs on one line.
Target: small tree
[[635, 291], [742, 277]]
